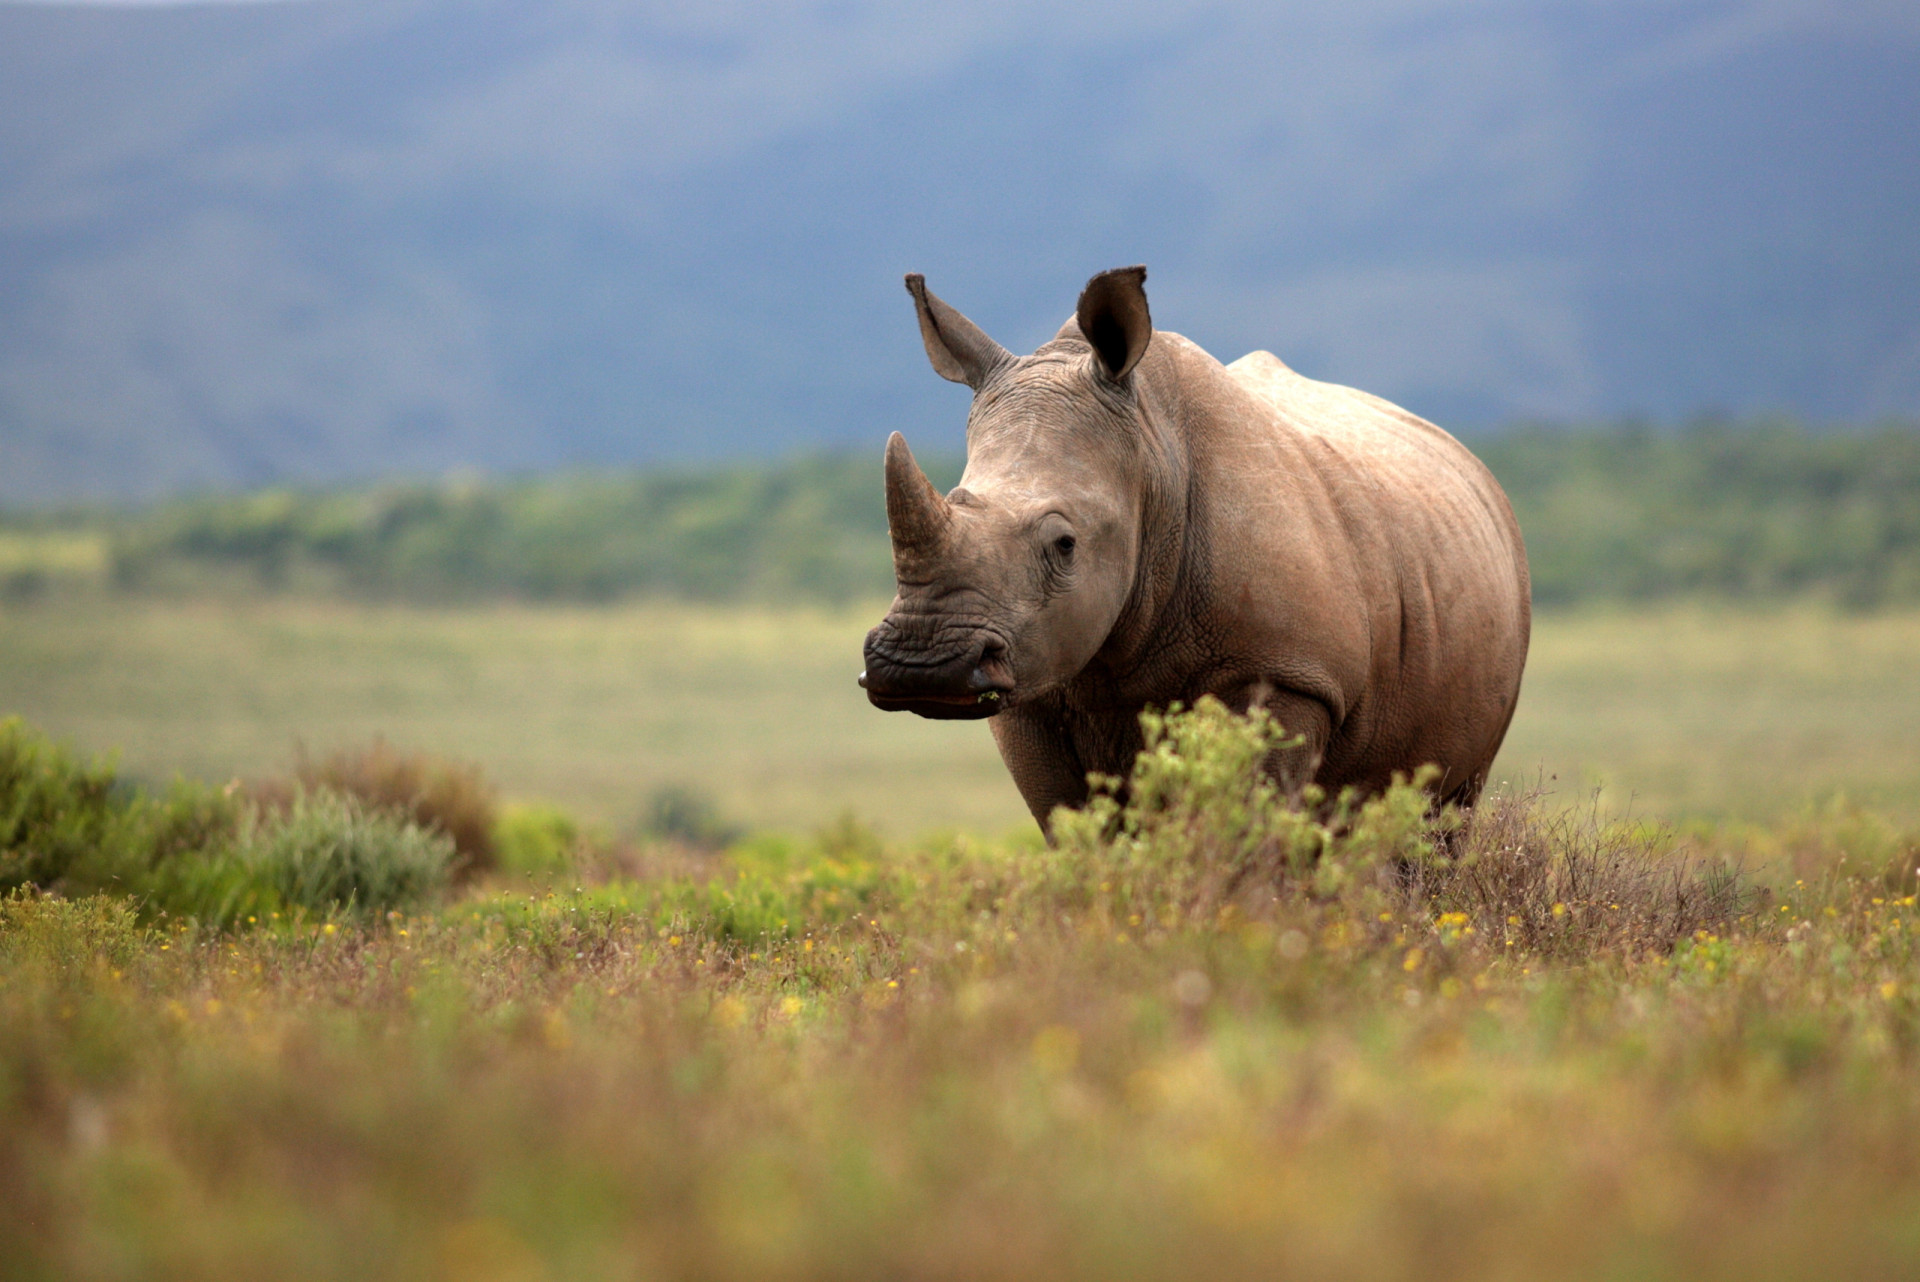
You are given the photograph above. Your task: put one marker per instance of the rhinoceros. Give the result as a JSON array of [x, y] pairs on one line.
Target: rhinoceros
[[1139, 524]]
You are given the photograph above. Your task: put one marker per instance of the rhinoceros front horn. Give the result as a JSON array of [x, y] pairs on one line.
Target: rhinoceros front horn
[[917, 515]]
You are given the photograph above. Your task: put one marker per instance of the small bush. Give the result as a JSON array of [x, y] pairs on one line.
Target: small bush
[[451, 797], [331, 852], [71, 827], [61, 818], [689, 817], [1198, 826], [68, 935], [535, 839], [1198, 821], [75, 827]]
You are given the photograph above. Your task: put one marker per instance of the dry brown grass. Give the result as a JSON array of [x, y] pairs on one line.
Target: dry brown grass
[[1572, 883]]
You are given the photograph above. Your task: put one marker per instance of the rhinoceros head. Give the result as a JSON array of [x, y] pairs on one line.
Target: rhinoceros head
[[1009, 585]]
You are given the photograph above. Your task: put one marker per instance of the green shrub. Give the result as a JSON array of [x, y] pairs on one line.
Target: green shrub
[[535, 840], [323, 853], [68, 935], [452, 797], [61, 818], [188, 821], [688, 816], [1198, 819], [330, 852], [71, 827]]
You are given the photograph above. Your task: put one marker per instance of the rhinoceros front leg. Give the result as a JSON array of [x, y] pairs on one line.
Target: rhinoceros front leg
[[1305, 720], [1041, 757]]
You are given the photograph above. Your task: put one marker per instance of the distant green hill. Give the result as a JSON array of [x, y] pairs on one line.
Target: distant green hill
[[1738, 511]]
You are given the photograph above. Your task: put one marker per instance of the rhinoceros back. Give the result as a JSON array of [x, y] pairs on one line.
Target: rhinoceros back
[[1436, 544]]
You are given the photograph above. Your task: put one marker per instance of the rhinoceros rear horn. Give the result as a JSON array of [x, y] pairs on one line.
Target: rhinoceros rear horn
[[960, 350], [1114, 319], [917, 515]]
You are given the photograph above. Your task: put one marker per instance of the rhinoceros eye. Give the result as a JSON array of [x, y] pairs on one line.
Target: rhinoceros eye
[[1064, 545]]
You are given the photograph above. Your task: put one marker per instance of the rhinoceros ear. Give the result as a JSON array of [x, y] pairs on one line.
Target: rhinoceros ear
[[1114, 319], [959, 349]]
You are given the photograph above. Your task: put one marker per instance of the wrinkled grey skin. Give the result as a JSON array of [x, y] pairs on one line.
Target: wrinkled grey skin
[[1140, 524]]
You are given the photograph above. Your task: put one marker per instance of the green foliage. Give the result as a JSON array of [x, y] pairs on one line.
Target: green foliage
[[535, 839], [1199, 819], [814, 528], [1750, 510], [450, 797], [72, 827], [68, 935], [60, 817]]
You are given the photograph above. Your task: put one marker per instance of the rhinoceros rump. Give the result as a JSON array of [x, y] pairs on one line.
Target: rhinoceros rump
[[1139, 524]]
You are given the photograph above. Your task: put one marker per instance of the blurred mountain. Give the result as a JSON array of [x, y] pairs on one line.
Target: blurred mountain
[[324, 238]]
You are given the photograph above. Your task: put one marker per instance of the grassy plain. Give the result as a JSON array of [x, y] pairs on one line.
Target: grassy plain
[[1679, 712], [1215, 1040], [1163, 1056], [589, 708]]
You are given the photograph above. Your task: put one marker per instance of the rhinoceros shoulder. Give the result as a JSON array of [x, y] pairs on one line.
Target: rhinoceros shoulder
[[1255, 367]]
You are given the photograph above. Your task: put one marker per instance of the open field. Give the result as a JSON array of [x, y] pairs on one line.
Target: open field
[[1680, 712], [1690, 712], [1204, 1037], [1225, 1043]]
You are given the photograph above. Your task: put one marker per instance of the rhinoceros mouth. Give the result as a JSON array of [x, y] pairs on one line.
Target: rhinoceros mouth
[[947, 707], [964, 682]]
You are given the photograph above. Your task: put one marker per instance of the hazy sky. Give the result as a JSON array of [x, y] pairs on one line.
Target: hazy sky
[[247, 240]]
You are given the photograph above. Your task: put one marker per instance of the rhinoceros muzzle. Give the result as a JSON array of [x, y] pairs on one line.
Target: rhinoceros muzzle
[[960, 689]]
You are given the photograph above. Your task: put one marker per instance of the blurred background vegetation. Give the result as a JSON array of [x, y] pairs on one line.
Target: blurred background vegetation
[[1727, 629], [1752, 510]]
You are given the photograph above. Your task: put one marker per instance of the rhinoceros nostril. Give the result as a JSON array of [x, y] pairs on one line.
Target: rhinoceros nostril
[[992, 663]]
